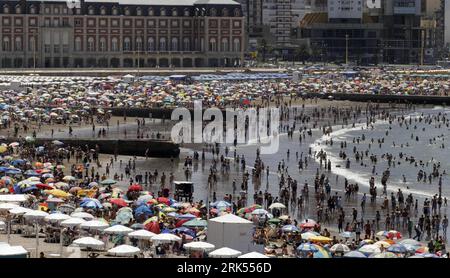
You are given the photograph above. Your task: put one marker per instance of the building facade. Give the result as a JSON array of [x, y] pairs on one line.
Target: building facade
[[446, 9], [121, 33]]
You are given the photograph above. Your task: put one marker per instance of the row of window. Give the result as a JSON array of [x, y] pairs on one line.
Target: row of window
[[152, 46], [138, 11], [139, 46]]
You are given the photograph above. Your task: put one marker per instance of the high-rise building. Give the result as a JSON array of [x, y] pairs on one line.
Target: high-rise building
[[446, 9]]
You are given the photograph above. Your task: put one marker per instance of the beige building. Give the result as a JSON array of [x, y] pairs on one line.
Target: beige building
[[121, 33]]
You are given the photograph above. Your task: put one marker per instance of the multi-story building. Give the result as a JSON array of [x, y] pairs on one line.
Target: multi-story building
[[121, 33], [446, 9]]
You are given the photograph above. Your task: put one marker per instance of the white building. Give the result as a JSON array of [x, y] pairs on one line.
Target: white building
[[345, 9]]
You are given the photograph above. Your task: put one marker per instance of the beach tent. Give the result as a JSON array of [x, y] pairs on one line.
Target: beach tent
[[231, 231]]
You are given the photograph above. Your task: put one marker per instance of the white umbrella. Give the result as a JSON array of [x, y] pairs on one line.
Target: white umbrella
[[94, 225], [340, 248], [369, 249], [277, 205], [57, 217], [8, 206], [199, 245], [225, 252], [71, 222], [253, 255], [259, 212], [2, 225], [124, 250], [118, 229], [19, 210], [163, 238], [35, 214], [141, 234], [84, 215], [89, 242]]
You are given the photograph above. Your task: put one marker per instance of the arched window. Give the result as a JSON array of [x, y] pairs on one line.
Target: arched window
[[162, 12], [32, 9], [151, 44], [103, 10], [212, 44], [174, 46], [127, 11], [18, 9], [138, 11], [78, 44], [162, 44], [90, 44], [151, 12], [102, 44], [186, 44], [115, 11], [91, 10], [174, 12], [237, 12], [18, 44], [6, 9], [186, 12], [115, 44], [213, 12], [237, 45], [6, 44], [225, 12], [126, 44], [139, 44], [225, 46], [32, 44]]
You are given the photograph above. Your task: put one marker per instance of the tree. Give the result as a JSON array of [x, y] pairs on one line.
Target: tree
[[302, 53], [264, 48]]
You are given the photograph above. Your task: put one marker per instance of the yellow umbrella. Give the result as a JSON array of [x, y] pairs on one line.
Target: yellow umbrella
[[58, 193], [321, 239], [3, 149], [382, 243]]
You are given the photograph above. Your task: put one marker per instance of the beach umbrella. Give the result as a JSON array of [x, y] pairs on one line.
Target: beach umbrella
[[196, 223], [369, 249], [8, 206], [355, 254], [253, 255], [199, 246], [259, 212], [83, 215], [142, 210], [384, 255], [119, 202], [397, 248], [152, 226], [89, 242], [308, 224], [135, 187], [187, 216], [57, 143], [69, 178], [58, 193], [320, 239], [72, 222], [183, 230], [94, 225], [141, 234], [35, 214], [290, 229], [56, 217], [118, 229], [221, 204], [382, 243], [137, 226], [108, 182], [322, 253], [347, 234], [124, 250], [165, 238], [309, 234], [307, 247], [145, 198], [340, 248], [225, 252], [90, 203], [410, 241], [274, 221], [416, 257], [19, 210], [277, 206]]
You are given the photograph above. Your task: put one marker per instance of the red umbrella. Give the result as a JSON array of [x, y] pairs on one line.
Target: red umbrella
[[135, 187], [153, 227], [181, 222], [308, 224], [163, 200], [118, 201], [44, 186]]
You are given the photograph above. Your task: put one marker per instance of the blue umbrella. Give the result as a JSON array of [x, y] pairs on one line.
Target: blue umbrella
[[307, 247], [397, 248], [184, 230], [220, 204], [143, 210], [13, 171], [90, 203], [290, 229], [173, 214], [28, 189], [18, 162], [355, 254], [32, 173], [187, 216]]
